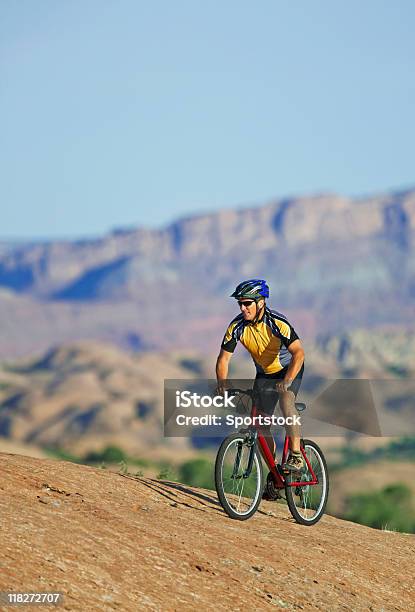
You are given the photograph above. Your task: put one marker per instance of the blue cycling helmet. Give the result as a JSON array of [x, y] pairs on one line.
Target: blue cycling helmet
[[254, 288]]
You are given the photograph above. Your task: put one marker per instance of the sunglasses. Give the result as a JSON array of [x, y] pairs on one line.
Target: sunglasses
[[246, 303]]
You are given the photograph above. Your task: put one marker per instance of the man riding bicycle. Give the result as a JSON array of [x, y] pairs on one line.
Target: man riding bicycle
[[278, 356]]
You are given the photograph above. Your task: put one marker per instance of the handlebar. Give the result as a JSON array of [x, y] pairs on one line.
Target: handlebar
[[234, 391]]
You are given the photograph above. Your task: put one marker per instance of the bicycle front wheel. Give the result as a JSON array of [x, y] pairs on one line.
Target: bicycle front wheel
[[238, 484], [308, 502]]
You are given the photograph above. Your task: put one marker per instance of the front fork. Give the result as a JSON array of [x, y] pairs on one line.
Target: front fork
[[251, 441]]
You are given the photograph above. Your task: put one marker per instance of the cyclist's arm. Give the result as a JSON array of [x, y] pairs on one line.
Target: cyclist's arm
[[297, 352], [222, 367]]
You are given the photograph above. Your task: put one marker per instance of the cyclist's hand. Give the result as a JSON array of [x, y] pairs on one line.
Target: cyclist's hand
[[221, 387], [283, 385]]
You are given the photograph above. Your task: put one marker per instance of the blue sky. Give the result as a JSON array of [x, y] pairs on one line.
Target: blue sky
[[134, 113]]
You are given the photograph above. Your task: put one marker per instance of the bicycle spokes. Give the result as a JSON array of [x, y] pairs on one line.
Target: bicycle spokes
[[307, 501], [241, 481]]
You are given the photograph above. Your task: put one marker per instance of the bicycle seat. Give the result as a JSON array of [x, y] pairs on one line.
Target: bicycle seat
[[300, 406]]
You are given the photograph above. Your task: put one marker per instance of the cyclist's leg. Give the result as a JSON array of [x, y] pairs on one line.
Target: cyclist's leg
[[288, 409], [266, 398], [269, 438]]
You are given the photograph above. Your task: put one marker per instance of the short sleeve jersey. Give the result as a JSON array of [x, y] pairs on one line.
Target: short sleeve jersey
[[267, 340]]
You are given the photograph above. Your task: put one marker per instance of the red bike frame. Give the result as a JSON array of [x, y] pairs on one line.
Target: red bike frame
[[279, 480]]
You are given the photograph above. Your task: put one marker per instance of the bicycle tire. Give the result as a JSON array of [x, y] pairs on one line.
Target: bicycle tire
[[219, 483], [290, 491]]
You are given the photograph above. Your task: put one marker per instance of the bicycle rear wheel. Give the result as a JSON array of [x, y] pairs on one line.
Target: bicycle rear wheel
[[239, 490], [308, 502]]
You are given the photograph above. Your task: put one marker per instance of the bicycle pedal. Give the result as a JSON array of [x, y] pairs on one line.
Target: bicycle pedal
[[281, 470], [293, 472]]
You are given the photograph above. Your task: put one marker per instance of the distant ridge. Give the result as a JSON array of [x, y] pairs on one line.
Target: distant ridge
[[333, 263]]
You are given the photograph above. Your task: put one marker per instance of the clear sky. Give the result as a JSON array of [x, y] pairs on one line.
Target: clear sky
[[130, 112]]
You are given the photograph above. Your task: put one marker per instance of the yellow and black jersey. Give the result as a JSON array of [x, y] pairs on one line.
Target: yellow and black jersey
[[267, 340]]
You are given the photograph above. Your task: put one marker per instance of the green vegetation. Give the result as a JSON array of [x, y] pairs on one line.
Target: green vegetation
[[123, 469], [197, 473], [397, 450], [166, 472], [109, 455], [58, 453], [390, 508], [113, 454]]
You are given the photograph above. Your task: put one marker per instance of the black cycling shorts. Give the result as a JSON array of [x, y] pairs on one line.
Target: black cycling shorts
[[266, 395]]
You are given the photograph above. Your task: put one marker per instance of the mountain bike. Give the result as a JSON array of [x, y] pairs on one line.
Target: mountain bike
[[239, 476]]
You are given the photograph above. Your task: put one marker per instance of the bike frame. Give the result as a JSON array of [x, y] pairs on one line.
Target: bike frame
[[276, 470]]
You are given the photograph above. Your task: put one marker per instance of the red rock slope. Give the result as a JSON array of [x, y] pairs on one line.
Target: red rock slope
[[113, 542]]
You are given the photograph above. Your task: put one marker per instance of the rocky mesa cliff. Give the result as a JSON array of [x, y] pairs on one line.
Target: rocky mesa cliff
[[333, 263]]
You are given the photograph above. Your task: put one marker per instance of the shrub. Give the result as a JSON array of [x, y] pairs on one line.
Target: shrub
[[197, 473], [110, 454], [390, 508], [165, 473], [59, 453]]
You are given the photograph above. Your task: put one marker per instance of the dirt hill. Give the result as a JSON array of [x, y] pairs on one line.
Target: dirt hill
[[114, 542]]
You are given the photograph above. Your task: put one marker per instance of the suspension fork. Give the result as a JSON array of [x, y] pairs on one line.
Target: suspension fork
[[251, 441], [237, 461]]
